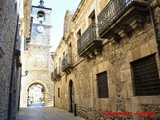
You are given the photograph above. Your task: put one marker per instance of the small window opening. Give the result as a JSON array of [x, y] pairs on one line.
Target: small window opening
[[58, 92], [92, 17], [79, 34], [41, 16]]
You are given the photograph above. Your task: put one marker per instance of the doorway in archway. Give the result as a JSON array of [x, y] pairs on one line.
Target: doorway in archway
[[71, 96], [36, 95]]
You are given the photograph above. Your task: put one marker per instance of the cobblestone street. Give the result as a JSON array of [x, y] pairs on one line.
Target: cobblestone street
[[45, 113]]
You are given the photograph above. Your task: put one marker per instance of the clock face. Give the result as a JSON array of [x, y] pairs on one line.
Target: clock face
[[40, 29]]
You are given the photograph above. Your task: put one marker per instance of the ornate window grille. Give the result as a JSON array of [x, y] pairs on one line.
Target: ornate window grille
[[102, 85], [146, 79]]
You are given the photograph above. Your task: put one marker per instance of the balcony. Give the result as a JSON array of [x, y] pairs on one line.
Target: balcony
[[67, 63], [56, 74], [89, 45], [120, 17]]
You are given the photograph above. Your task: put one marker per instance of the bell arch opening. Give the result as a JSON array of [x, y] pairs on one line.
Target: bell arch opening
[[36, 95]]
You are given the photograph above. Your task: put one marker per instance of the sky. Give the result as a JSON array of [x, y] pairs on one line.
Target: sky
[[59, 8]]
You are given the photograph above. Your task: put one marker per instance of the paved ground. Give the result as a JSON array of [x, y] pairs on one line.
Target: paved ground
[[44, 113], [37, 104]]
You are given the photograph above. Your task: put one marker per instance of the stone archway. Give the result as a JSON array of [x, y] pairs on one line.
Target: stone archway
[[48, 92], [36, 95]]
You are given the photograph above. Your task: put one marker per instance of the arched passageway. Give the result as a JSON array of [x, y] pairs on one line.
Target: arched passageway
[[36, 95]]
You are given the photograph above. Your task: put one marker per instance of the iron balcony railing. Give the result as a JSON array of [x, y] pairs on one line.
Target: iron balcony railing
[[113, 10], [87, 37], [55, 73], [67, 61]]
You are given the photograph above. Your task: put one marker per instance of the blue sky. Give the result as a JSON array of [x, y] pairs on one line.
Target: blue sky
[[59, 8]]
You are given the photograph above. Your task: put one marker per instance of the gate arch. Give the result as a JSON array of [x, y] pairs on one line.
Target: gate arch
[[43, 92], [24, 92]]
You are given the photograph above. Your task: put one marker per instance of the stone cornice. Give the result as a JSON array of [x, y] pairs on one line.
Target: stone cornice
[[42, 25], [42, 7], [78, 10], [32, 44]]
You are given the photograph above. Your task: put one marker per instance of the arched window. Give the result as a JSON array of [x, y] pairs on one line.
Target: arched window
[[41, 16]]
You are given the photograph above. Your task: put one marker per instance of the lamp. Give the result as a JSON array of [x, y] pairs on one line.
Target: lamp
[[26, 73]]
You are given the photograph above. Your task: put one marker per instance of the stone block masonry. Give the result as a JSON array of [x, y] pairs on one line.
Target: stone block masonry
[[126, 41], [37, 58], [7, 38]]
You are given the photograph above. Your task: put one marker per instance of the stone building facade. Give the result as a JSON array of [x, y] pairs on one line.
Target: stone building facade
[[108, 59], [37, 64], [10, 56], [7, 34]]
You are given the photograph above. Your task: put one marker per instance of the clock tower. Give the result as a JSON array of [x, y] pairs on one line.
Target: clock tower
[[41, 26], [37, 59]]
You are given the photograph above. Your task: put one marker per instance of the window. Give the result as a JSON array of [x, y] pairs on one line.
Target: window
[[102, 85], [145, 76], [58, 92], [92, 17], [59, 64], [41, 16], [63, 54], [79, 34], [70, 48]]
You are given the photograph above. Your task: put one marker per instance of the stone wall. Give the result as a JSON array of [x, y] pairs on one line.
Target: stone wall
[[115, 59], [59, 101], [7, 38], [37, 63], [156, 17]]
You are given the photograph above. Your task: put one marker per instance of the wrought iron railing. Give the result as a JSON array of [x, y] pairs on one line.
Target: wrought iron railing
[[87, 37], [112, 10], [67, 61], [55, 73]]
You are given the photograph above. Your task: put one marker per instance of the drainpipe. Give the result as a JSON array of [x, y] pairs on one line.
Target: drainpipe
[[12, 74], [54, 104], [154, 26], [19, 89]]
